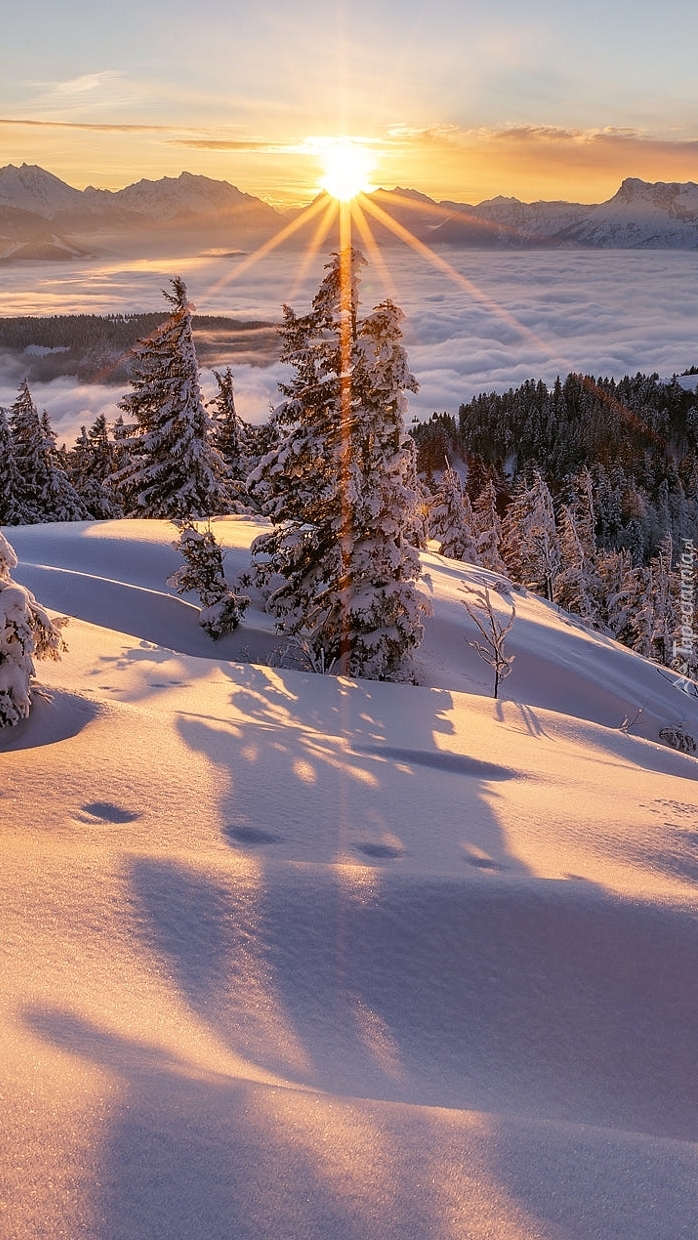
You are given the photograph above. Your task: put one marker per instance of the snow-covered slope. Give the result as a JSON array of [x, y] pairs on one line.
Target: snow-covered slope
[[294, 956]]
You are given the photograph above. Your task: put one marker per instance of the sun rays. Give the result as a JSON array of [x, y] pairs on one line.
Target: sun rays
[[348, 213]]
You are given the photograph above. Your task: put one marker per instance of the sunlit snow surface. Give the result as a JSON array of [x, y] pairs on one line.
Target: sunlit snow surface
[[300, 958]]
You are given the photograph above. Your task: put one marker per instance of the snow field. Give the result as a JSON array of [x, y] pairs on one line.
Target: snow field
[[293, 956]]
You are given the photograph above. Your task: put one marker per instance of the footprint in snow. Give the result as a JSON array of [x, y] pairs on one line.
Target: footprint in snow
[[485, 863], [252, 835], [385, 852], [105, 811]]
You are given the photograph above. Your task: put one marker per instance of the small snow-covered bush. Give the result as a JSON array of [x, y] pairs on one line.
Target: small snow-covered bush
[[679, 739], [202, 572], [493, 630], [26, 633]]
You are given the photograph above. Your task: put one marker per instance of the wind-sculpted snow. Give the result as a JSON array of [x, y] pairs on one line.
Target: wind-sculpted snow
[[287, 955]]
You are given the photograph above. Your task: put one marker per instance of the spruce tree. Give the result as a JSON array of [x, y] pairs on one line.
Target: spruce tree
[[10, 483], [341, 562], [202, 572], [576, 584], [383, 608], [231, 437], [62, 500], [46, 493], [487, 528], [451, 519], [91, 463], [530, 545], [172, 469]]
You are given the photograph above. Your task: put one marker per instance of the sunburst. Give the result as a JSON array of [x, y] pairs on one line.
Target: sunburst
[[347, 168]]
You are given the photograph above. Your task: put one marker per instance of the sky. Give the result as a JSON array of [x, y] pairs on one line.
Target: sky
[[462, 101]]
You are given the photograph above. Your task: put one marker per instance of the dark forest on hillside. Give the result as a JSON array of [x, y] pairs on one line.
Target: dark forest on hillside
[[97, 348]]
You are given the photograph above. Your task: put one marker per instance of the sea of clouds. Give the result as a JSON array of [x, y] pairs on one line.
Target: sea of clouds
[[475, 321]]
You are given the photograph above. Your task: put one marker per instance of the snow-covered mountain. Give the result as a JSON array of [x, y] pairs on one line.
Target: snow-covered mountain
[[29, 188], [640, 215], [173, 198], [204, 210], [507, 222]]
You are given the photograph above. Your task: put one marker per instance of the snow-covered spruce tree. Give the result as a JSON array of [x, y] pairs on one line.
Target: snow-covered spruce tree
[[10, 486], [487, 528], [451, 519], [63, 501], [617, 577], [341, 562], [91, 462], [171, 470], [26, 633], [202, 572], [383, 606], [230, 436], [46, 493], [530, 545], [652, 592], [577, 585]]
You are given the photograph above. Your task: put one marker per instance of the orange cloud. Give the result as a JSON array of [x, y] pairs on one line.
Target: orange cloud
[[532, 162]]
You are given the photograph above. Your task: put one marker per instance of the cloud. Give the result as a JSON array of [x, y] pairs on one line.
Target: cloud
[[599, 313], [86, 82], [89, 125], [533, 161], [230, 144]]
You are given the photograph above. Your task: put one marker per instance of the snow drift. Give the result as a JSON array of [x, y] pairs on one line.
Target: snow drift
[[298, 956]]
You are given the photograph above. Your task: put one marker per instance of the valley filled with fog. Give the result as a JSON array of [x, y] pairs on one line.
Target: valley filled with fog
[[475, 320]]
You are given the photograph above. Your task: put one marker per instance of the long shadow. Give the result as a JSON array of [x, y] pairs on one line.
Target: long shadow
[[195, 1157], [313, 766], [362, 985], [568, 1016], [550, 999]]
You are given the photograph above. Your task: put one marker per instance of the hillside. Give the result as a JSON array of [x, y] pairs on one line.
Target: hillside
[[289, 955], [95, 347]]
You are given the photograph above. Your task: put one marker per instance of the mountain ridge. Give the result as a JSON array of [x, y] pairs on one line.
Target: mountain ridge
[[39, 212]]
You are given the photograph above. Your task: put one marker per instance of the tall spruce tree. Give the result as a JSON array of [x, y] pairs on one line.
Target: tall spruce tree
[[575, 585], [172, 469], [341, 562], [231, 437], [487, 528]]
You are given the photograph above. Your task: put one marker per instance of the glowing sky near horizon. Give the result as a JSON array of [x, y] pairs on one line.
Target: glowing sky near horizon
[[454, 98]]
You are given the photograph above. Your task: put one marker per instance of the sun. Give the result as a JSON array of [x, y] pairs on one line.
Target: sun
[[348, 165]]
